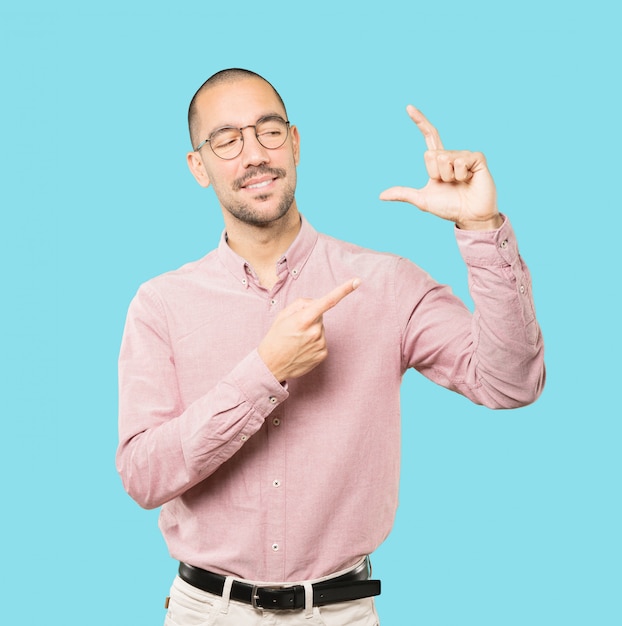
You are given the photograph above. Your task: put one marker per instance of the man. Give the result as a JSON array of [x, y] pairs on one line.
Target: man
[[259, 386]]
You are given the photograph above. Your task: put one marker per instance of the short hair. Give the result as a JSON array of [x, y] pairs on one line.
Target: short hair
[[230, 75]]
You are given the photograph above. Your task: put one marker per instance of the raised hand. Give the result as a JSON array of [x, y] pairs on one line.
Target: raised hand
[[460, 188], [296, 342]]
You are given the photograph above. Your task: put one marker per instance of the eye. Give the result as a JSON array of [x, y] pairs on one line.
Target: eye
[[272, 130], [225, 139]]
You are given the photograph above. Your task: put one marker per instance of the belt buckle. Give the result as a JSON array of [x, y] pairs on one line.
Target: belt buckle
[[271, 591], [255, 597], [255, 594]]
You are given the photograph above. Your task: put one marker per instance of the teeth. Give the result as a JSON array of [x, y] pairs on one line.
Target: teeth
[[259, 185]]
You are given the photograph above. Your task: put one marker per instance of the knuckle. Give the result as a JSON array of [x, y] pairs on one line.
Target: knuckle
[[314, 334]]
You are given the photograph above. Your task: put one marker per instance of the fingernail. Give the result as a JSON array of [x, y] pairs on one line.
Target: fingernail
[[356, 282]]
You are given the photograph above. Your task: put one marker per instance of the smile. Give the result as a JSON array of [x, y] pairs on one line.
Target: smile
[[260, 184], [259, 178]]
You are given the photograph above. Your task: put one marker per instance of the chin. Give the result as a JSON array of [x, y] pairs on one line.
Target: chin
[[261, 217]]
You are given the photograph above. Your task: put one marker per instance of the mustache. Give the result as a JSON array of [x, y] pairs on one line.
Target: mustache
[[262, 170]]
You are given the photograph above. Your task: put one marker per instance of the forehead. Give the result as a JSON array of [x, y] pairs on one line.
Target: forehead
[[237, 103]]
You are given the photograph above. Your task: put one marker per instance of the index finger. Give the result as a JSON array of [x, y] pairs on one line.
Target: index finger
[[429, 132], [334, 297]]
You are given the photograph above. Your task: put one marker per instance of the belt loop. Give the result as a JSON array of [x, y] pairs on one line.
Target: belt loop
[[308, 600], [226, 594]]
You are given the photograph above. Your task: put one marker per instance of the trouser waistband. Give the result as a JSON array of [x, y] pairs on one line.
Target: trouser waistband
[[352, 585]]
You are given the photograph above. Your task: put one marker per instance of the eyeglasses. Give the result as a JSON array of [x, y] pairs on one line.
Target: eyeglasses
[[227, 143]]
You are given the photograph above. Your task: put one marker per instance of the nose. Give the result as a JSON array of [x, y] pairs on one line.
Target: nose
[[253, 153]]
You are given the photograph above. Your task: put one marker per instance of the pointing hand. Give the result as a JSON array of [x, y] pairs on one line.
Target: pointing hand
[[296, 342]]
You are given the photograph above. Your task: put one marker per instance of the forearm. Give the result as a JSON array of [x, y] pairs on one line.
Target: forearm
[[495, 355], [179, 420], [508, 363], [165, 450]]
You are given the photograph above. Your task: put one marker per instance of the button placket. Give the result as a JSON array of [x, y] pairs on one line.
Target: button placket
[[276, 495]]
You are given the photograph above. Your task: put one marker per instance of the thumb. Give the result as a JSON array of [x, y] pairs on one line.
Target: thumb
[[403, 194]]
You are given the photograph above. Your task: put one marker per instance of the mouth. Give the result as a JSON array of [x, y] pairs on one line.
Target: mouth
[[262, 183], [259, 179]]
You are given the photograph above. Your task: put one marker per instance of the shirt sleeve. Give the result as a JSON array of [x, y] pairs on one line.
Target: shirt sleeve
[[495, 355], [165, 448]]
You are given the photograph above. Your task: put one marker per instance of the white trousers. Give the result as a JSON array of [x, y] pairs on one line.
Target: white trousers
[[189, 606]]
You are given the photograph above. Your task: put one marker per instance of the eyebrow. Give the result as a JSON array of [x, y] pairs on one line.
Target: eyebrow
[[261, 117]]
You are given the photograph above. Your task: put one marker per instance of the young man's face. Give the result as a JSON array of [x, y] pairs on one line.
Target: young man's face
[[257, 186]]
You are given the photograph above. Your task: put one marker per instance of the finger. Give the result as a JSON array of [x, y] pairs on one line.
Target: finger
[[334, 297], [462, 170], [297, 305], [431, 164], [472, 161], [404, 194], [429, 132], [445, 167], [452, 165]]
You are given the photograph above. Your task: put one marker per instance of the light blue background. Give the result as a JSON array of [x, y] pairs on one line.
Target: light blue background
[[506, 518]]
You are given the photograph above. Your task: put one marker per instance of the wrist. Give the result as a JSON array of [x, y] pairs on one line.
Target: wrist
[[492, 223]]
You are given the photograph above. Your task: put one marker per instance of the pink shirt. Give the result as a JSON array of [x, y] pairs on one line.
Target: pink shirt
[[282, 482]]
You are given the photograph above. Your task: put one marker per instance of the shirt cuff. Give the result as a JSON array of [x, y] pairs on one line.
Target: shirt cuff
[[257, 384], [484, 248]]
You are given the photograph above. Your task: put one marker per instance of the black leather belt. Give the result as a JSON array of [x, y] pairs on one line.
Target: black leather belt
[[352, 585]]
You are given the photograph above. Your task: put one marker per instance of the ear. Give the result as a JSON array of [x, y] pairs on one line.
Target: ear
[[195, 164], [295, 143]]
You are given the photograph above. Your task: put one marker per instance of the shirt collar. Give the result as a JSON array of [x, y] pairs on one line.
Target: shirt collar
[[293, 260]]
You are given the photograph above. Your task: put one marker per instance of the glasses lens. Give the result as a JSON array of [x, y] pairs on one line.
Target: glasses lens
[[271, 132], [226, 143]]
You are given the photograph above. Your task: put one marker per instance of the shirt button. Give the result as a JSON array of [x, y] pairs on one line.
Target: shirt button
[[276, 421], [275, 547], [276, 483], [273, 302], [243, 438], [522, 289], [504, 243], [272, 400], [295, 272], [244, 281]]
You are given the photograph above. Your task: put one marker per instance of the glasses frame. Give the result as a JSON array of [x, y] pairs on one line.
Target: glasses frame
[[240, 130]]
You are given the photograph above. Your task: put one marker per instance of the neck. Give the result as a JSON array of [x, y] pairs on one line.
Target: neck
[[262, 246]]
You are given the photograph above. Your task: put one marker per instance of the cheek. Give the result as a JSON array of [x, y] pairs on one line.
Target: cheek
[[295, 161], [220, 177]]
